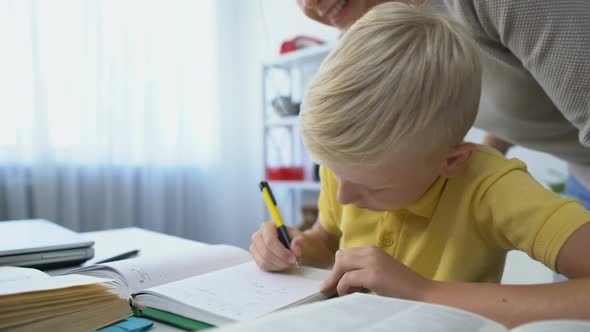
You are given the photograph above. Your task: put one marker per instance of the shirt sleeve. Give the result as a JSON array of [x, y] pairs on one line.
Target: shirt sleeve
[[516, 212], [552, 40], [328, 206]]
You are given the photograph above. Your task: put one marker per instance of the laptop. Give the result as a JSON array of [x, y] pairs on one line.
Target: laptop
[[41, 243]]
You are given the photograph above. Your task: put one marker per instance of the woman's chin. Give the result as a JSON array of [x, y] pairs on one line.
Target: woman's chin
[[345, 18]]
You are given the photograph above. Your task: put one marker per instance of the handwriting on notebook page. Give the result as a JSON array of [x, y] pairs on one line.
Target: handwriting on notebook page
[[140, 274], [241, 292]]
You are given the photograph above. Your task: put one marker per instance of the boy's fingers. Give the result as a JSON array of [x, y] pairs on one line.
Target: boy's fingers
[[265, 259], [351, 282], [271, 257], [263, 265], [346, 261], [293, 232], [297, 240], [256, 256], [297, 245], [271, 240]]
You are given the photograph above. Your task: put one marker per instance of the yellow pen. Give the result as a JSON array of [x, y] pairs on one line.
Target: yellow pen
[[271, 204]]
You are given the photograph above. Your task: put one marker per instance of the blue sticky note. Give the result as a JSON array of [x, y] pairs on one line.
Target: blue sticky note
[[131, 324]]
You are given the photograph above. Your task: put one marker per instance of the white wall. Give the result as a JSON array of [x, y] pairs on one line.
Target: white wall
[[282, 19]]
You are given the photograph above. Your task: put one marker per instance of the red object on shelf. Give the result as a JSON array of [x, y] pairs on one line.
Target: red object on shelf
[[284, 173], [297, 43]]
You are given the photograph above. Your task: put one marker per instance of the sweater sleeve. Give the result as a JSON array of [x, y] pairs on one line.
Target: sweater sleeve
[[552, 41]]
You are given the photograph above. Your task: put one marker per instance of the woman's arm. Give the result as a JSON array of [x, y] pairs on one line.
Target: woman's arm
[[552, 40]]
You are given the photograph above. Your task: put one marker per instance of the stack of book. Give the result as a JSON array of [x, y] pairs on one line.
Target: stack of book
[[31, 300]]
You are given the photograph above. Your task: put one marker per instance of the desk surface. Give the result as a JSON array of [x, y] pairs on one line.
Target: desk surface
[[112, 242]]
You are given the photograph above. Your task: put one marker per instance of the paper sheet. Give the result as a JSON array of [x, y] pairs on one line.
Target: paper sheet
[[12, 273], [556, 325], [363, 312], [148, 271], [244, 292]]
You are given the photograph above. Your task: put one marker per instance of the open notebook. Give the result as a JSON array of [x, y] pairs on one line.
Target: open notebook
[[215, 284], [364, 312]]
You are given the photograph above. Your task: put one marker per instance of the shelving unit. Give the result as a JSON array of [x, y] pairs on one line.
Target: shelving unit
[[289, 194], [288, 121], [313, 54], [298, 185]]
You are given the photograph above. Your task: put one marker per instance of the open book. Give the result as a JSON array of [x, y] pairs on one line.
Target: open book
[[215, 284], [365, 312], [31, 300]]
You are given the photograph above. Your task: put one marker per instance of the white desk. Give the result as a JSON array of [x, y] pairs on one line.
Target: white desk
[[112, 242]]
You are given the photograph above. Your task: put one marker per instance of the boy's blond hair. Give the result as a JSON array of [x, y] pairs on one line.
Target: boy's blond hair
[[401, 78]]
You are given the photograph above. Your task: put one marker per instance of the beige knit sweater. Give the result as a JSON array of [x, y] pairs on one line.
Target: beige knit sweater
[[536, 81]]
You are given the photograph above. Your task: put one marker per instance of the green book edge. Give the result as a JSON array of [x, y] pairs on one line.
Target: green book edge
[[183, 322], [172, 319]]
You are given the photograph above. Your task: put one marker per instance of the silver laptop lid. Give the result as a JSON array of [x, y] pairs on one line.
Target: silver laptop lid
[[37, 235]]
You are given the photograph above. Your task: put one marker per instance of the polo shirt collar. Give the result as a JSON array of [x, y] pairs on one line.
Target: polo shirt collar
[[426, 205]]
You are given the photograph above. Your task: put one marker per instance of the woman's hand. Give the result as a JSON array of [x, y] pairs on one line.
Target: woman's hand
[[497, 143], [373, 269]]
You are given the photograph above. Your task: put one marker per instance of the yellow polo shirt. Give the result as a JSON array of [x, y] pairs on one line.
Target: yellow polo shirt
[[463, 226]]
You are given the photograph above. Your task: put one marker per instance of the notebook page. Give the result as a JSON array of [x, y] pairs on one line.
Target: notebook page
[[148, 271], [364, 312], [555, 325], [12, 273], [244, 292]]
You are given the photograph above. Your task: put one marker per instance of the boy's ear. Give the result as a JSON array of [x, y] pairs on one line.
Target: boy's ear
[[457, 158]]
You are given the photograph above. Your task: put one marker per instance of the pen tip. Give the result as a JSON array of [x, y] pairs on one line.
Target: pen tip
[[297, 263]]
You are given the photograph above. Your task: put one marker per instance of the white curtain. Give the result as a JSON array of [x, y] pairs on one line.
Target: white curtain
[[111, 116]]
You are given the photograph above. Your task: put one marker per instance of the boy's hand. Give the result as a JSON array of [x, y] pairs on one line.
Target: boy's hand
[[374, 269], [269, 253]]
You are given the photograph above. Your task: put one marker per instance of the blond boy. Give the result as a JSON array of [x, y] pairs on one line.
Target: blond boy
[[408, 209]]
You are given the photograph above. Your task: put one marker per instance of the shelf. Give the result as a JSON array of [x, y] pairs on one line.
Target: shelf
[[299, 185], [306, 55], [288, 121], [294, 69]]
